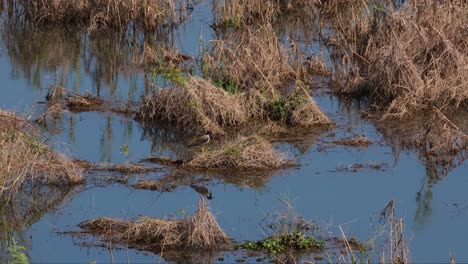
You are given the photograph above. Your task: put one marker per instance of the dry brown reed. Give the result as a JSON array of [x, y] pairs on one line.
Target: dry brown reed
[[409, 59], [198, 232], [25, 159], [248, 153], [232, 13], [102, 14], [249, 59], [198, 105], [397, 249]]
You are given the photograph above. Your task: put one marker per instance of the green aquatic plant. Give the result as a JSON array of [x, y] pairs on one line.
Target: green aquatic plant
[[230, 22], [16, 253], [279, 108], [175, 75], [229, 86], [279, 243]]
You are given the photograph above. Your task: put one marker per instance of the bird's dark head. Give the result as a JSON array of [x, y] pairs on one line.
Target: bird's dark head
[[209, 196], [209, 133]]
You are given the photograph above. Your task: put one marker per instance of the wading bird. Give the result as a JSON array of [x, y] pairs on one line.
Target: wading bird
[[202, 190], [203, 140]]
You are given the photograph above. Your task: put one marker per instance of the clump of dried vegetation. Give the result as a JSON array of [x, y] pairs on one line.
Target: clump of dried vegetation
[[247, 78], [247, 74], [248, 153], [200, 105], [234, 13], [104, 14], [407, 59], [359, 141], [197, 104], [249, 59], [59, 100], [25, 159], [198, 232], [288, 234]]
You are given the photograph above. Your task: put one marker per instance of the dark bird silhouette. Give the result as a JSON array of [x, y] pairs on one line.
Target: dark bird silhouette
[[202, 140], [203, 191]]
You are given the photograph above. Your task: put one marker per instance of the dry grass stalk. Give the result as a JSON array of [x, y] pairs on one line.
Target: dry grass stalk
[[398, 252], [103, 14], [252, 153], [24, 159], [198, 232]]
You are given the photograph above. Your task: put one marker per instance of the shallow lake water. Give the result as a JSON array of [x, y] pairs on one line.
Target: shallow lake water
[[323, 187]]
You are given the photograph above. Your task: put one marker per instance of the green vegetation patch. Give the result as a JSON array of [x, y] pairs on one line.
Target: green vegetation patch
[[280, 243]]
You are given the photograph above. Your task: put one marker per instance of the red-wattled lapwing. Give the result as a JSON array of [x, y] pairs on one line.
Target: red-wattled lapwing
[[203, 140]]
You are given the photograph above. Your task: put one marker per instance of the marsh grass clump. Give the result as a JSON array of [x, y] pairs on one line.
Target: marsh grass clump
[[244, 153], [298, 109], [410, 59], [199, 104], [288, 233], [200, 231], [419, 58], [25, 159], [303, 111], [102, 14], [252, 59], [235, 13]]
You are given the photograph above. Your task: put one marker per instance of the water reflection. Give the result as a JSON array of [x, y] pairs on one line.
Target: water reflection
[[64, 55], [27, 207]]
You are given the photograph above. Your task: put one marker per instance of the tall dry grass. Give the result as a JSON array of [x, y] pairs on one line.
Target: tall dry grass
[[244, 12], [408, 59], [25, 159], [101, 14], [198, 105], [250, 59]]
